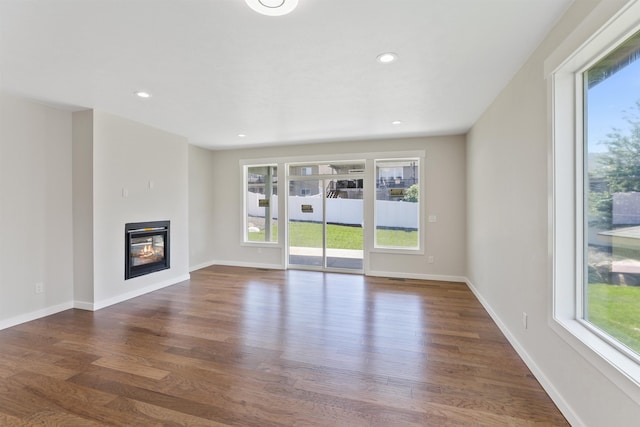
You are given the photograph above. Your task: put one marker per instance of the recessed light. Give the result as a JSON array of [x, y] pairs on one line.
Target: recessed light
[[387, 57], [396, 122], [142, 94], [241, 135], [273, 7]]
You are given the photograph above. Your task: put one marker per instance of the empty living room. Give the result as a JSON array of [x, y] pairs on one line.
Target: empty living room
[[320, 212]]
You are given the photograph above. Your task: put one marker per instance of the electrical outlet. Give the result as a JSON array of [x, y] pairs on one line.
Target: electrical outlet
[[39, 288], [525, 320], [430, 259]]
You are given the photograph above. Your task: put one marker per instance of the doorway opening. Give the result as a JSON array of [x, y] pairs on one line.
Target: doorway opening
[[325, 216]]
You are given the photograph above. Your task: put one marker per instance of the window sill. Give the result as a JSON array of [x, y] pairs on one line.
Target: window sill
[[261, 244], [611, 362], [391, 250]]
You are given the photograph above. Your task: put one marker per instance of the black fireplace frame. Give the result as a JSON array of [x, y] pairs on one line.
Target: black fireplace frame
[[144, 229]]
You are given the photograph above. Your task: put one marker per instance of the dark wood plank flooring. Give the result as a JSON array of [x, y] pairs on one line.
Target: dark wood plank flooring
[[251, 347]]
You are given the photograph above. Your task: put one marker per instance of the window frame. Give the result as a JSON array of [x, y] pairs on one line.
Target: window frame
[[419, 250], [564, 70], [581, 309], [245, 187]]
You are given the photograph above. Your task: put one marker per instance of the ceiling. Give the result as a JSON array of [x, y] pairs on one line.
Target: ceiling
[[217, 69]]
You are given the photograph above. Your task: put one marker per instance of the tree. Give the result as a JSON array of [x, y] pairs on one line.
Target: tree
[[618, 172], [412, 194]]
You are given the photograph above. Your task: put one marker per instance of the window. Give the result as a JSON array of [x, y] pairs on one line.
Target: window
[[261, 204], [611, 143], [593, 211], [397, 209], [326, 168]]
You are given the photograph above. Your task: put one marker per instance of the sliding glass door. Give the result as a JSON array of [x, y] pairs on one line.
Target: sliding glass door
[[325, 217]]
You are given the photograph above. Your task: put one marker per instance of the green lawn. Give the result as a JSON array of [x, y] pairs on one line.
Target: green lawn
[[258, 236], [616, 310], [309, 235], [397, 238]]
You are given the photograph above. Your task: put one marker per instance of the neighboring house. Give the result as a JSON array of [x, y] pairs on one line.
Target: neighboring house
[[626, 208]]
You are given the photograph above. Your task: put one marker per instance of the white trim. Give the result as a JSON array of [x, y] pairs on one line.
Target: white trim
[[201, 266], [398, 250], [83, 305], [418, 276], [593, 26], [324, 158], [35, 315], [138, 292], [420, 250], [548, 386], [565, 187], [244, 169]]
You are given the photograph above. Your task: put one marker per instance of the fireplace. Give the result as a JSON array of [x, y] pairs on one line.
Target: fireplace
[[146, 248]]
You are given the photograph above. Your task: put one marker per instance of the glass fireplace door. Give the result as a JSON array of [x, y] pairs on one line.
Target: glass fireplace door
[[146, 248]]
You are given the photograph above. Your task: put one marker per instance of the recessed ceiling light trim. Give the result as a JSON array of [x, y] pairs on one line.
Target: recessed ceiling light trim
[[272, 4], [142, 94], [387, 57], [273, 7], [396, 122]]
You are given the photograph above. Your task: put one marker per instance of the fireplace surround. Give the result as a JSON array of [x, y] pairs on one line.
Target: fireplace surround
[[146, 247]]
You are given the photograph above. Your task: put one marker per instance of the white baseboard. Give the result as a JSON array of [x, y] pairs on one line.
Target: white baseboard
[[83, 305], [403, 275], [201, 266], [548, 386], [249, 265], [400, 275], [34, 315], [129, 295]]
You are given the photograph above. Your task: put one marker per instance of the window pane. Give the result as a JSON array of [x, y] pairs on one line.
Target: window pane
[[397, 203], [262, 204], [612, 190]]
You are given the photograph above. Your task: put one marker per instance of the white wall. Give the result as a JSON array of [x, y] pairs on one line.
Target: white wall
[[444, 196], [83, 272], [152, 167], [201, 207], [62, 213], [35, 210], [508, 265]]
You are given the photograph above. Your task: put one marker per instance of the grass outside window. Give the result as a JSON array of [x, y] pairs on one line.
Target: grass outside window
[[616, 310], [309, 235]]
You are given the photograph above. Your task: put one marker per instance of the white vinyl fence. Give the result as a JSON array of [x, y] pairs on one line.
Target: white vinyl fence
[[398, 214]]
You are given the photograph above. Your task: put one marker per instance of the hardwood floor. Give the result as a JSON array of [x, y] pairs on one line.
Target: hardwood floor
[[238, 346]]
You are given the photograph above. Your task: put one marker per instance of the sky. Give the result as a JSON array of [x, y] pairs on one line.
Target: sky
[[608, 102]]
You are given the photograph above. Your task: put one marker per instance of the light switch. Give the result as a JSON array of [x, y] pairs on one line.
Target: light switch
[[432, 218]]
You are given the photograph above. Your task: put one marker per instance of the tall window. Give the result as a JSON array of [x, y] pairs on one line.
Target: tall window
[[261, 203], [397, 210], [595, 152], [611, 293]]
